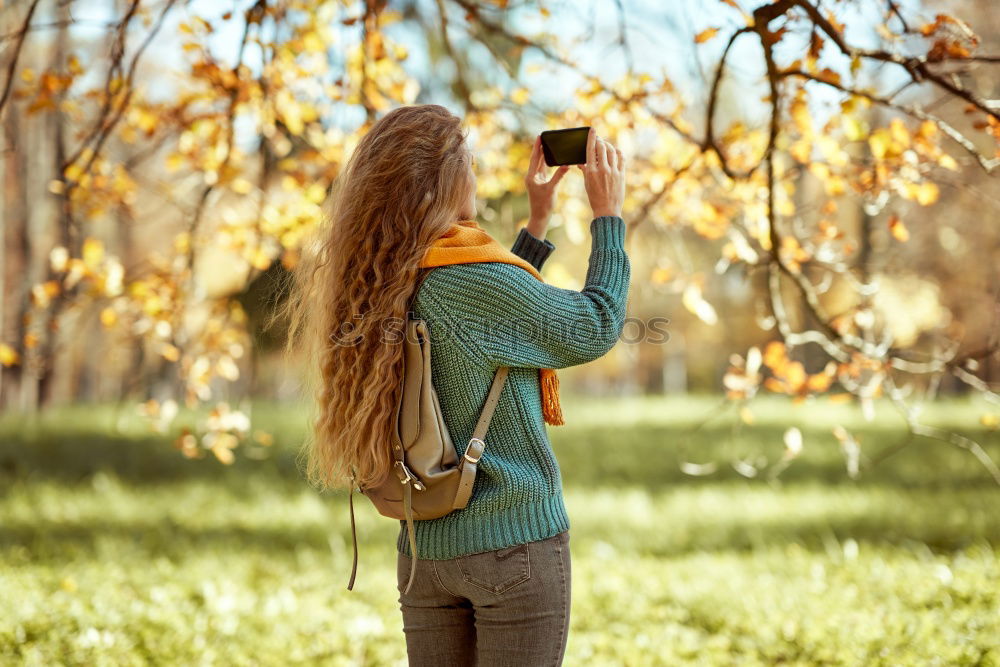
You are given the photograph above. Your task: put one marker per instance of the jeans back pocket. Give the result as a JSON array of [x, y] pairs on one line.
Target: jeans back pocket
[[497, 571]]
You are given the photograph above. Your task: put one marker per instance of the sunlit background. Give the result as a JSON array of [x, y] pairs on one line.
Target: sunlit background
[[797, 466]]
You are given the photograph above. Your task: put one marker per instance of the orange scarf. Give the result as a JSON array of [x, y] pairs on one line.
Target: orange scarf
[[466, 242]]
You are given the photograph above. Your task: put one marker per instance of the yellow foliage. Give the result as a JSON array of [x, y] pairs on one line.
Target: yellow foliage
[[108, 317], [661, 275], [520, 95], [898, 229], [899, 133], [241, 186], [705, 35], [8, 355], [927, 193], [799, 110], [93, 253], [855, 128], [880, 143]]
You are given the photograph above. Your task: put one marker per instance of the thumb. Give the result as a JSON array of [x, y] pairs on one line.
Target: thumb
[[560, 172]]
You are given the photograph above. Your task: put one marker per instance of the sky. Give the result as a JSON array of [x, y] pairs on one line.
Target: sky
[[660, 35]]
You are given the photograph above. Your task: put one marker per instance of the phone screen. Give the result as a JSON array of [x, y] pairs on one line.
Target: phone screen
[[567, 146]]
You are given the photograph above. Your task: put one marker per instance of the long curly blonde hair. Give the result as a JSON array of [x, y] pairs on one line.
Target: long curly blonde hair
[[403, 186]]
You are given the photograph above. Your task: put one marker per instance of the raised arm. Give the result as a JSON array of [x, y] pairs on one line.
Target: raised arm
[[510, 318]]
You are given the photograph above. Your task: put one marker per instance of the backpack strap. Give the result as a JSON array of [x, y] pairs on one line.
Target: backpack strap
[[474, 450]]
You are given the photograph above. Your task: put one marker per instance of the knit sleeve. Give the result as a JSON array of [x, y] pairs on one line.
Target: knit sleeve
[[535, 250], [511, 318]]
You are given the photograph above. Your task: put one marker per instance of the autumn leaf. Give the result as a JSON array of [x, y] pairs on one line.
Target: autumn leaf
[[705, 35], [828, 75], [898, 229], [940, 20], [774, 354], [108, 317], [8, 355], [743, 379], [927, 193], [855, 128], [93, 252], [880, 143], [948, 162], [222, 446], [661, 275]]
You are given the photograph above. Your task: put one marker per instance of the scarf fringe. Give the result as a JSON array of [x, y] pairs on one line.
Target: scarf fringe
[[551, 410]]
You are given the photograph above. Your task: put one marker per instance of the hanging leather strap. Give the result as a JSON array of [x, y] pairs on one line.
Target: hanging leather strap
[[354, 536], [408, 511]]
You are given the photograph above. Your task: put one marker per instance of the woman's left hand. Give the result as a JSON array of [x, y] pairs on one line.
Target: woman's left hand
[[541, 192]]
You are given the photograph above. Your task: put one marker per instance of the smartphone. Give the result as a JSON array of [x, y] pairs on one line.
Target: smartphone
[[568, 146]]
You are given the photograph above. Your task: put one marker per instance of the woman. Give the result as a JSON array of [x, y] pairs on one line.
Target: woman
[[493, 579]]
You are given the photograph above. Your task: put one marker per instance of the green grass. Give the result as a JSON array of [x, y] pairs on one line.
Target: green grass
[[115, 550]]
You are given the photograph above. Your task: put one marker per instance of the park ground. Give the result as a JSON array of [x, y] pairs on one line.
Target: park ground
[[116, 550]]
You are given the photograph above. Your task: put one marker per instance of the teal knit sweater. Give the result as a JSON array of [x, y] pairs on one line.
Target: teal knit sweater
[[488, 314]]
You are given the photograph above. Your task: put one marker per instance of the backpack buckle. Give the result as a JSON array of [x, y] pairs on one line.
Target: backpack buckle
[[407, 476], [477, 450]]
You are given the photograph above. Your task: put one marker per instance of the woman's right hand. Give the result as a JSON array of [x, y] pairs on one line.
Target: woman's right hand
[[604, 176]]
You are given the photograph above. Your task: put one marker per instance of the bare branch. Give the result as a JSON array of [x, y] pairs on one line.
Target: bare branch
[[459, 68], [55, 25], [951, 437], [894, 9], [12, 67], [103, 126], [713, 96], [623, 37]]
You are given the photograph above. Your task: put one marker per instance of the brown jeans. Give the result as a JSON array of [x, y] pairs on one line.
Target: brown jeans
[[505, 607]]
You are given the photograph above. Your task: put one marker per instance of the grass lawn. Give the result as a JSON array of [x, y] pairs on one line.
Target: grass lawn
[[115, 550]]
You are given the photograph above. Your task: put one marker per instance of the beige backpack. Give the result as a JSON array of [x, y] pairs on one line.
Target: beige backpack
[[430, 480]]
